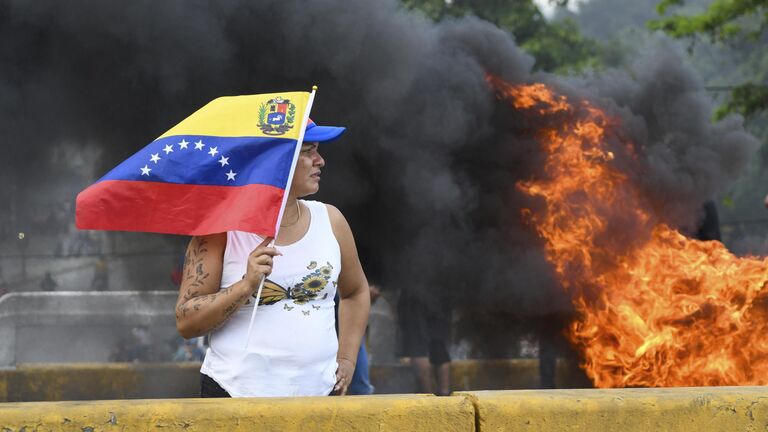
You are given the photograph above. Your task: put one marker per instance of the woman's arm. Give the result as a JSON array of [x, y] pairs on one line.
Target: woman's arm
[[354, 304], [202, 305]]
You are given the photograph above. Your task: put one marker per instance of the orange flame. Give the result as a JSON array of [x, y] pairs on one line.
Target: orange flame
[[660, 310]]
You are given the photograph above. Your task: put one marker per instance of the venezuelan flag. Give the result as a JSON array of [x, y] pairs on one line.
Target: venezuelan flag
[[226, 167]]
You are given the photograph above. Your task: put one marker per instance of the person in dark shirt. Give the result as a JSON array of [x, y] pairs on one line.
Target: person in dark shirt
[[424, 337], [48, 283], [709, 229]]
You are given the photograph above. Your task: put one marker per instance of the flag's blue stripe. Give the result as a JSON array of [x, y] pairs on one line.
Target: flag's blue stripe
[[254, 160]]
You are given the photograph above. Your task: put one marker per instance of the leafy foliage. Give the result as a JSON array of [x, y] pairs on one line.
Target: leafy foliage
[[746, 99], [560, 47], [729, 21], [720, 21], [557, 46]]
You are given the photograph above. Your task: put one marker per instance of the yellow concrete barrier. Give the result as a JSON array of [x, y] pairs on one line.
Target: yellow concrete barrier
[[98, 381], [700, 409], [40, 382], [350, 413], [682, 409], [511, 374]]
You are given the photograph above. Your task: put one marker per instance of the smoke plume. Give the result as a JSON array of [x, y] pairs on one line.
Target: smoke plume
[[426, 174]]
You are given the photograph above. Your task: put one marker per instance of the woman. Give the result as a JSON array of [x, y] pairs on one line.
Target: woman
[[293, 350]]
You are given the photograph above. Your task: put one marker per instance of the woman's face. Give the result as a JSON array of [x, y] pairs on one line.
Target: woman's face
[[306, 177]]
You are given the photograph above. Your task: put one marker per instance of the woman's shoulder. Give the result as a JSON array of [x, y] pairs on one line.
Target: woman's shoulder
[[333, 212], [217, 239], [338, 222]]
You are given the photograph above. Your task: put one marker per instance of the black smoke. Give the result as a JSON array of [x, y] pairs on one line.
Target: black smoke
[[687, 159], [426, 173]]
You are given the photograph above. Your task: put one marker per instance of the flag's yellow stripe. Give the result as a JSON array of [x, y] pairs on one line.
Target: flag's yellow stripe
[[238, 116]]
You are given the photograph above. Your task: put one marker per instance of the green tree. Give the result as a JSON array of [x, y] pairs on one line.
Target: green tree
[[734, 22], [558, 46]]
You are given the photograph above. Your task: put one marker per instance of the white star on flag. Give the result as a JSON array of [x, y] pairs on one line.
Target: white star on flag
[[183, 144], [231, 175], [199, 145], [168, 148], [155, 157], [145, 171], [213, 151], [224, 161]]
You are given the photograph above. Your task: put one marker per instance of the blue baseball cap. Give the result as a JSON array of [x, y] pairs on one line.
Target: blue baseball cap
[[315, 133]]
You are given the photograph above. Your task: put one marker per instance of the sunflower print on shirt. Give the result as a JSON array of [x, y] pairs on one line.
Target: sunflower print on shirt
[[301, 293]]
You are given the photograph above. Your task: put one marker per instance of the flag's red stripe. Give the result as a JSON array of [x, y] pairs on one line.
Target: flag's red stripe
[[124, 205]]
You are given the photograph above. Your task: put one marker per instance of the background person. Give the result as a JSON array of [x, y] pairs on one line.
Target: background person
[[361, 380], [424, 336]]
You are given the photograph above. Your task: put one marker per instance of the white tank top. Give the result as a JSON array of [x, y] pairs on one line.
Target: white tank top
[[292, 351]]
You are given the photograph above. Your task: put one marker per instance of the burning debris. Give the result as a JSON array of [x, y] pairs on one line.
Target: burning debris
[[656, 308]]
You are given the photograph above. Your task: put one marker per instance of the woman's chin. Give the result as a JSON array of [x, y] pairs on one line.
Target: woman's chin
[[310, 191]]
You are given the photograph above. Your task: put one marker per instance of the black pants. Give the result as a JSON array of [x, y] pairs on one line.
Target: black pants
[[210, 388]]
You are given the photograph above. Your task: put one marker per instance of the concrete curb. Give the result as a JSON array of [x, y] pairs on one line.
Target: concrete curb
[[626, 410], [353, 413], [98, 381]]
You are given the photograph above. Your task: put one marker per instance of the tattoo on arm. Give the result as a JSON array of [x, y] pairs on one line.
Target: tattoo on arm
[[181, 310], [195, 275], [193, 263], [212, 297], [196, 303], [229, 310]]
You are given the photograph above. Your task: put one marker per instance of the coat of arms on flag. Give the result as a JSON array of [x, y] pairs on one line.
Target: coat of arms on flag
[[276, 116]]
